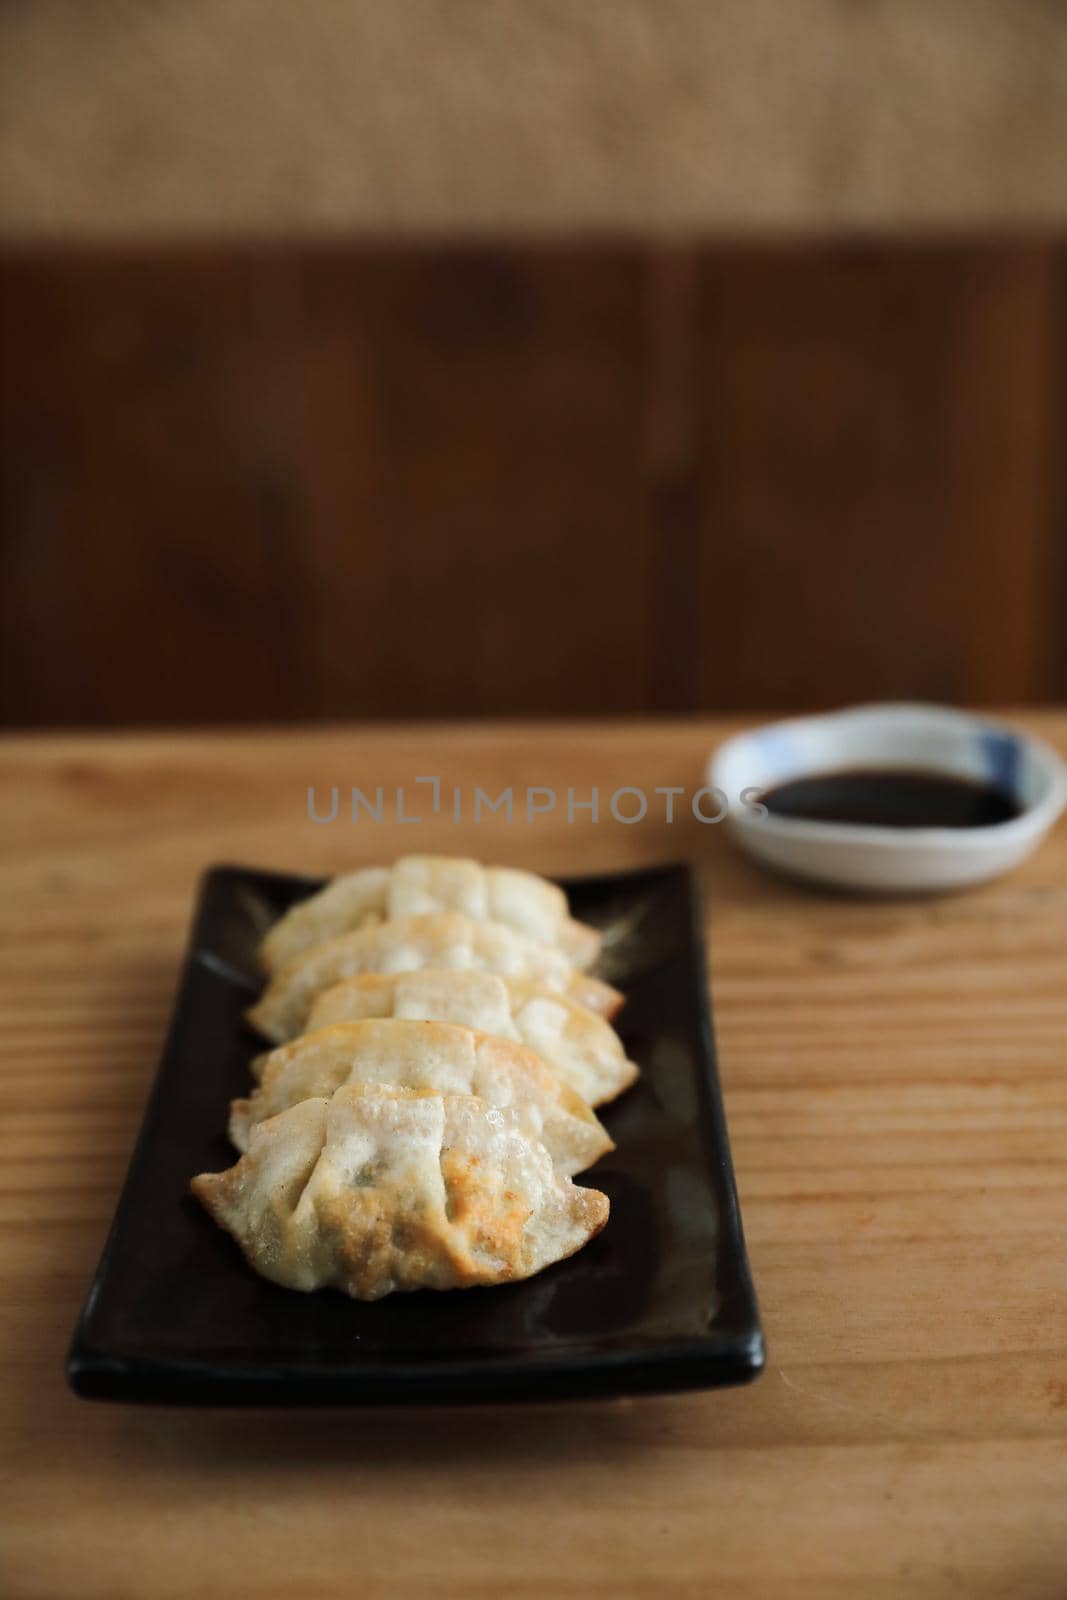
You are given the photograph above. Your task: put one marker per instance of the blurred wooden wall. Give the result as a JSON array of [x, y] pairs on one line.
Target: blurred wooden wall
[[255, 482]]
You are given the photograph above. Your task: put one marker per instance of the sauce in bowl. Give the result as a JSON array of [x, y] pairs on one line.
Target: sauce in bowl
[[892, 798]]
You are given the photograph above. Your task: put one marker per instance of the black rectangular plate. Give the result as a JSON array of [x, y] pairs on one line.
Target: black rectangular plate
[[661, 1300]]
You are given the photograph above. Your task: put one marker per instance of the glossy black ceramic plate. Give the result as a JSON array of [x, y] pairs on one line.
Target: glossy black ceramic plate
[[661, 1300]]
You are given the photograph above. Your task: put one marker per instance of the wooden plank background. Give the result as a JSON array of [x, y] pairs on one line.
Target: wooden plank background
[[251, 482]]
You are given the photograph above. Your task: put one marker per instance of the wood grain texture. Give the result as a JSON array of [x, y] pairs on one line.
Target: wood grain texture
[[895, 1084], [137, 395], [879, 438], [235, 475], [484, 485], [230, 474]]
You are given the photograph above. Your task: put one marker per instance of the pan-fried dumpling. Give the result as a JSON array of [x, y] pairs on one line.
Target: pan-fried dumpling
[[376, 1190], [417, 886], [447, 939], [581, 1048], [428, 1055]]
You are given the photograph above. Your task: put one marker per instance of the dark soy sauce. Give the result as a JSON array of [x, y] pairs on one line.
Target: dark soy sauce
[[892, 798]]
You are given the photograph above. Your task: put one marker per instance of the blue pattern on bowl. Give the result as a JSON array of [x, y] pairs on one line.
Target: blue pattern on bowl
[[1002, 754]]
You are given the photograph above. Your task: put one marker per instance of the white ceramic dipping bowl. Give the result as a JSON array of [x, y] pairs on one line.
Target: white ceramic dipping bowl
[[932, 739]]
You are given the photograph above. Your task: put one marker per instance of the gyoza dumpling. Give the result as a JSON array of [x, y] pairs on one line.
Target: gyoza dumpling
[[376, 1190], [417, 886], [428, 1055], [581, 1048], [446, 939]]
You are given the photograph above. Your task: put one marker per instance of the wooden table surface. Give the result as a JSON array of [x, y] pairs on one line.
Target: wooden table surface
[[896, 1086]]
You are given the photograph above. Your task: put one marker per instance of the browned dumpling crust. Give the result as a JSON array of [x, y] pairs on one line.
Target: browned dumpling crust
[[422, 885], [378, 1190], [439, 1056], [449, 940], [582, 1049]]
